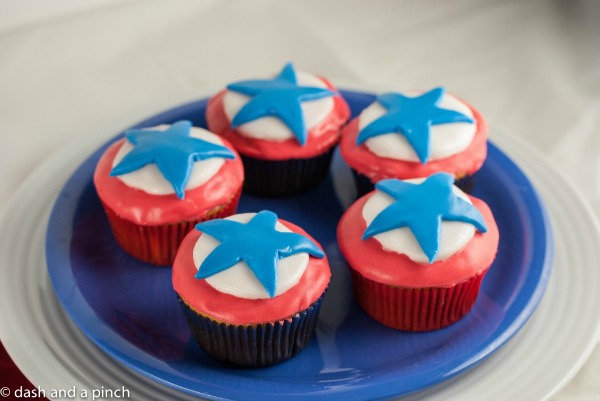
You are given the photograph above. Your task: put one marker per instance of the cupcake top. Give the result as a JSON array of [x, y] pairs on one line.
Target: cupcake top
[[425, 219], [420, 232], [280, 108], [419, 128], [296, 112], [160, 174], [415, 135], [249, 268]]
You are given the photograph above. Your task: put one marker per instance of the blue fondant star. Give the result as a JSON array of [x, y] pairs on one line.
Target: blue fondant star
[[257, 243], [411, 117], [279, 97], [173, 151], [422, 208]]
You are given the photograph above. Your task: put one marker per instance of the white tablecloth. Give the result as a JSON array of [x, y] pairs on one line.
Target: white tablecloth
[[69, 68]]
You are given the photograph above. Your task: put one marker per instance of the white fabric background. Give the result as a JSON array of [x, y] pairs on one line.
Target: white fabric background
[[70, 68]]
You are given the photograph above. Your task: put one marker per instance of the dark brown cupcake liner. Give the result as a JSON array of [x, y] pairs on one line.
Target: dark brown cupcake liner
[[364, 184], [279, 178], [466, 183], [256, 345]]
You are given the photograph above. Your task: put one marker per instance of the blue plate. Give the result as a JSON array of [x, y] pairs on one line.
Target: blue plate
[[129, 309]]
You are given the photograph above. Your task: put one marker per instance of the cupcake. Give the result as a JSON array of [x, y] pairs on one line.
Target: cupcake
[[157, 183], [285, 128], [418, 251], [404, 137], [251, 286]]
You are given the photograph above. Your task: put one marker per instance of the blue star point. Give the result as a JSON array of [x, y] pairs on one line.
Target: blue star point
[[422, 208], [173, 151], [411, 117], [257, 243], [279, 97]]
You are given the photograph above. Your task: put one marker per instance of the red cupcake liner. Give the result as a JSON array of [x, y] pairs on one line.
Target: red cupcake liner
[[158, 244], [415, 309]]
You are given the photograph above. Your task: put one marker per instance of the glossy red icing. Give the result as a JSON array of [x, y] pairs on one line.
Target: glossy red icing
[[147, 209], [373, 262], [377, 168], [320, 138], [207, 301]]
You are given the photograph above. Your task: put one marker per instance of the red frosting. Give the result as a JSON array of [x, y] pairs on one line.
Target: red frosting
[[373, 262], [146, 209], [207, 301], [320, 138], [377, 168]]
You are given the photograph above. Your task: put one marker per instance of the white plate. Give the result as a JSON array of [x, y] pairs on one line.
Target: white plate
[[541, 358]]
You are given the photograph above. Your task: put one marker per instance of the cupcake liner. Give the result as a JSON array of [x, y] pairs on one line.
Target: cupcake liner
[[158, 244], [364, 185], [466, 183], [415, 309], [257, 345], [277, 178]]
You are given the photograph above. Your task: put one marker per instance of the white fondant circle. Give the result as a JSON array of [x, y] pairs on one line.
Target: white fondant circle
[[445, 139], [272, 128], [455, 234], [239, 280], [150, 180]]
